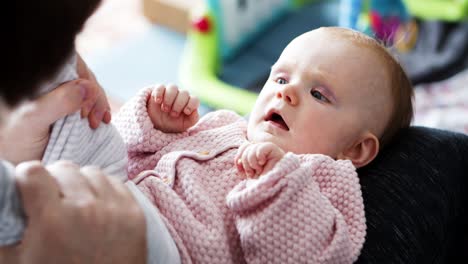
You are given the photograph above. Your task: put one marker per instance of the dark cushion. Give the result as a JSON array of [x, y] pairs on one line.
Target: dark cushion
[[415, 196]]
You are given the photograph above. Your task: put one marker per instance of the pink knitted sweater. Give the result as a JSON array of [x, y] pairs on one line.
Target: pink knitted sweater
[[307, 209]]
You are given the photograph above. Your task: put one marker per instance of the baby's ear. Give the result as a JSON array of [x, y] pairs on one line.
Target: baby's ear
[[363, 151]]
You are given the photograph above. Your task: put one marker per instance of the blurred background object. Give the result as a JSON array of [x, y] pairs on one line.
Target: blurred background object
[[114, 22], [227, 63], [222, 49], [127, 51], [171, 13]]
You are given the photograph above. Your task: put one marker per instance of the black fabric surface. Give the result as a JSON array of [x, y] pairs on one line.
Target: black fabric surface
[[415, 196], [441, 51]]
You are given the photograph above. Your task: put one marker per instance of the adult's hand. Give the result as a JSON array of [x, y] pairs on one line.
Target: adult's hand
[[76, 216], [96, 110], [25, 133]]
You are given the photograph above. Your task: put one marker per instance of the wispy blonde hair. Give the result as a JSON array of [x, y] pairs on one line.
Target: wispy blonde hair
[[401, 87]]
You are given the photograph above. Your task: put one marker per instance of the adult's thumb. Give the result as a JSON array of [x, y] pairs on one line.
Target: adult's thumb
[[38, 189]]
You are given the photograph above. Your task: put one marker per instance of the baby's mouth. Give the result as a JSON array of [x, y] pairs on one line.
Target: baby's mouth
[[277, 120]]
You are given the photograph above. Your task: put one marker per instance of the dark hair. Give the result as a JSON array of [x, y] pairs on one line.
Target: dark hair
[[42, 39]]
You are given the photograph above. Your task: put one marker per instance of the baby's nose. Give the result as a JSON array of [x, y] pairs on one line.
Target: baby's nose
[[288, 94]]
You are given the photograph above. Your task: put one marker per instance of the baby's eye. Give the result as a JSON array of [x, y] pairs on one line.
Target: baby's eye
[[319, 96], [281, 81]]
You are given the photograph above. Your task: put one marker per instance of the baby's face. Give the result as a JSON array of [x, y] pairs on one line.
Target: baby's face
[[323, 94]]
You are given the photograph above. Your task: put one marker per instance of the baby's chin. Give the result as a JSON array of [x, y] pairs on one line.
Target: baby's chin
[[262, 136], [266, 137], [293, 147]]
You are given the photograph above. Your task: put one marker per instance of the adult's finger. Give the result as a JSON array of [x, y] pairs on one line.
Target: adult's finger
[[99, 182], [81, 67], [9, 254], [98, 112], [64, 100], [119, 187], [93, 94], [72, 183], [96, 106], [37, 187], [95, 90]]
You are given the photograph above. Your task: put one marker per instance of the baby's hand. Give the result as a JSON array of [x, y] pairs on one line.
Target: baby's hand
[[172, 110], [255, 159]]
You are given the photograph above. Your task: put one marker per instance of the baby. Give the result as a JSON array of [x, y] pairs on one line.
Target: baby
[[282, 187]]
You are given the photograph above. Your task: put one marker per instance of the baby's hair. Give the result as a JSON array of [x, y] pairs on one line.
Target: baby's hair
[[402, 89]]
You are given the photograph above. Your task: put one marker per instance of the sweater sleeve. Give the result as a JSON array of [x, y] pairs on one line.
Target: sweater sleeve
[[142, 140], [12, 220], [72, 139], [144, 143], [303, 211]]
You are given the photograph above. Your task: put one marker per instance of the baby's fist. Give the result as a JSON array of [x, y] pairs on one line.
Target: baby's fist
[[172, 110], [255, 159]]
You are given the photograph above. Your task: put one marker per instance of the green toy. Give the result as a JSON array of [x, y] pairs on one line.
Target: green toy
[[446, 10], [200, 65], [209, 42]]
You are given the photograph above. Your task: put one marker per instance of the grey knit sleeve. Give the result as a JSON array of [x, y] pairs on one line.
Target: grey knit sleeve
[[12, 221], [11, 216], [72, 139]]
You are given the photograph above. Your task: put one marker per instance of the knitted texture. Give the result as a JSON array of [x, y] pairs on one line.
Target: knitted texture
[[72, 139], [307, 209], [12, 220]]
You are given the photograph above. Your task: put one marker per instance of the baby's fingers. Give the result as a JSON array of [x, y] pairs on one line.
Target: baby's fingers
[[180, 102], [169, 97], [158, 93], [249, 168], [262, 152], [253, 160], [192, 105], [238, 157]]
